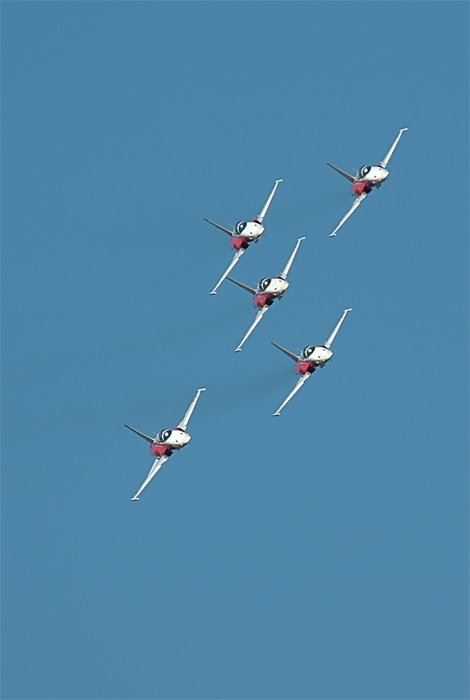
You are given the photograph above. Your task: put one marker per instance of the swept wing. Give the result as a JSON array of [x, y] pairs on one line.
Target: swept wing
[[264, 210], [184, 423], [235, 259], [158, 464], [297, 387], [336, 329], [384, 162], [250, 330], [288, 266], [357, 202]]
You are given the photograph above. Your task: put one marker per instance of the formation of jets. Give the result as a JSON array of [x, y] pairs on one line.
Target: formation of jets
[[264, 294]]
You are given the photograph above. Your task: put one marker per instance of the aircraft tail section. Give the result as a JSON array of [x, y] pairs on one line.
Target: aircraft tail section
[[342, 172], [142, 435]]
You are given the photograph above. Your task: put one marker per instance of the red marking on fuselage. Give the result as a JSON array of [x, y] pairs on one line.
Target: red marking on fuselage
[[261, 299], [359, 188], [238, 242], [305, 367], [159, 450]]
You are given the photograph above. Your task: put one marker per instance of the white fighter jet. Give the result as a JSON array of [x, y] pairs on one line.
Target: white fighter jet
[[309, 359], [166, 441], [368, 177], [244, 233], [268, 289]]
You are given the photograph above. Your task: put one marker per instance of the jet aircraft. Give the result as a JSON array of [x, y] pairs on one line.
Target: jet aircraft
[[309, 360], [244, 233], [166, 442], [368, 177], [268, 289]]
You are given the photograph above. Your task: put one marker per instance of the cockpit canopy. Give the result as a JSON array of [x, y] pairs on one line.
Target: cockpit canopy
[[240, 227], [306, 352], [364, 170], [164, 435], [264, 284]]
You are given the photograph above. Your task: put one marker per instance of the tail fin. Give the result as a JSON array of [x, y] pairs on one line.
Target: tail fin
[[142, 435], [342, 172], [290, 354]]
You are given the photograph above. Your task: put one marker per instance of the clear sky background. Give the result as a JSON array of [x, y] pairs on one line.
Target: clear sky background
[[322, 554]]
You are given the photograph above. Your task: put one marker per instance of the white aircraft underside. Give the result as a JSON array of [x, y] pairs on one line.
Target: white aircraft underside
[[166, 442], [244, 233], [309, 360], [368, 177], [268, 289]]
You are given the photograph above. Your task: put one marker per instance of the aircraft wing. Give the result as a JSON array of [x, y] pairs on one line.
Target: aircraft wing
[[384, 162], [297, 387], [336, 329], [235, 259], [250, 330], [288, 266], [158, 464], [355, 205], [265, 208], [184, 423]]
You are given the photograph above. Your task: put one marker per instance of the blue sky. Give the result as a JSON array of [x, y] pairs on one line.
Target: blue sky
[[322, 554]]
